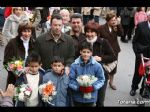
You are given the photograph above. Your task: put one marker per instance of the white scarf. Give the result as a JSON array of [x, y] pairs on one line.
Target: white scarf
[[26, 46], [92, 41], [17, 18]]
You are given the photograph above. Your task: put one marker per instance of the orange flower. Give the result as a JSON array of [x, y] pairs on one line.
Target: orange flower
[[48, 89]]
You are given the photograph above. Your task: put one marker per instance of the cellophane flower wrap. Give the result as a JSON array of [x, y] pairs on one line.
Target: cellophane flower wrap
[[23, 93], [86, 81], [48, 91], [16, 66]]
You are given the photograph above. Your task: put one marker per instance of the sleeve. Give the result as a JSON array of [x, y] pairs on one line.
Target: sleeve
[[120, 31], [6, 102], [6, 29], [73, 84], [101, 78], [37, 46], [136, 41], [71, 52], [9, 52], [108, 55]]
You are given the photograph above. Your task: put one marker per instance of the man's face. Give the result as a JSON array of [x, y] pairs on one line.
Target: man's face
[[66, 18], [56, 26], [85, 54], [76, 24]]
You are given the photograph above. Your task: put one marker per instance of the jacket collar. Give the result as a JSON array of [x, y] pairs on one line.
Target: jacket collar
[[50, 37], [79, 60]]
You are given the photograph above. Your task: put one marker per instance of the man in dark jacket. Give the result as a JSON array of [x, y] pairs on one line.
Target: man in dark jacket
[[141, 45], [76, 21], [55, 43]]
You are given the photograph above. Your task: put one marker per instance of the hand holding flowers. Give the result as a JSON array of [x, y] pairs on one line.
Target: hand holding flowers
[[48, 91], [85, 82], [15, 66], [23, 93]]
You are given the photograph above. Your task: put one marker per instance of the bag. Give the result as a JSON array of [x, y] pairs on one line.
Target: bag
[[110, 66]]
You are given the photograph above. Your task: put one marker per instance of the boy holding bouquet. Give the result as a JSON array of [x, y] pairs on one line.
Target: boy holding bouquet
[[33, 77], [61, 81], [84, 69]]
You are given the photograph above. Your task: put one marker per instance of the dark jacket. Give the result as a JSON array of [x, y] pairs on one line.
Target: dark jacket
[[141, 40], [2, 18], [48, 48], [23, 80], [76, 41], [15, 49], [112, 36]]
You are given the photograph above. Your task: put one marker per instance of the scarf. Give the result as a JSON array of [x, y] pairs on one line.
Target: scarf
[[92, 41]]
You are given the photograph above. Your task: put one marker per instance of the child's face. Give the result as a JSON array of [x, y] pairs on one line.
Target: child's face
[[57, 67], [34, 67], [86, 54]]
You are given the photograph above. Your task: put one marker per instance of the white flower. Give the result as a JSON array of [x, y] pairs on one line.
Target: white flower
[[22, 89], [27, 93], [50, 98], [54, 93], [21, 96]]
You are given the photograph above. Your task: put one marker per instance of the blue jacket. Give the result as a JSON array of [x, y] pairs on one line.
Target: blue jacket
[[61, 83], [79, 68], [23, 80]]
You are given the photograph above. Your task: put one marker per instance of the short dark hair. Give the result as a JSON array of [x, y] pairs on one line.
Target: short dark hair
[[57, 59], [76, 15], [93, 26], [34, 57], [23, 27], [85, 45], [56, 16], [111, 14]]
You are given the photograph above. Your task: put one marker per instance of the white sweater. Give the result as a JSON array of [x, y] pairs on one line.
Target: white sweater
[[33, 81]]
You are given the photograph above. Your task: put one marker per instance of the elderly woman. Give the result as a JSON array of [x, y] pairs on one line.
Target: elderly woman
[[12, 22], [102, 52], [111, 30], [19, 47]]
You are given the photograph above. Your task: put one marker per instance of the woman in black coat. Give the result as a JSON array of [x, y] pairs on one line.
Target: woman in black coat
[[102, 52], [19, 47]]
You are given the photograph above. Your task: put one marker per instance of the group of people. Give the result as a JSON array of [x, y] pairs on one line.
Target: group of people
[[66, 51]]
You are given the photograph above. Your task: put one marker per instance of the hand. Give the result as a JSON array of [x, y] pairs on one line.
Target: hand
[[67, 70], [98, 58], [88, 89], [9, 92], [118, 20]]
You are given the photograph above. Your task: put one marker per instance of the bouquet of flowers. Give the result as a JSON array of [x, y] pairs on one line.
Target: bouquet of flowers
[[85, 82], [15, 66], [23, 93], [48, 91]]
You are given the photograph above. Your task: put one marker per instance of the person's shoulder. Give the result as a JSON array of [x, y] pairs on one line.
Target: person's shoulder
[[42, 36]]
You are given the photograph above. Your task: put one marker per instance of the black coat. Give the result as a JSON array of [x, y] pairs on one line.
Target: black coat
[[48, 48], [15, 49], [141, 40]]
